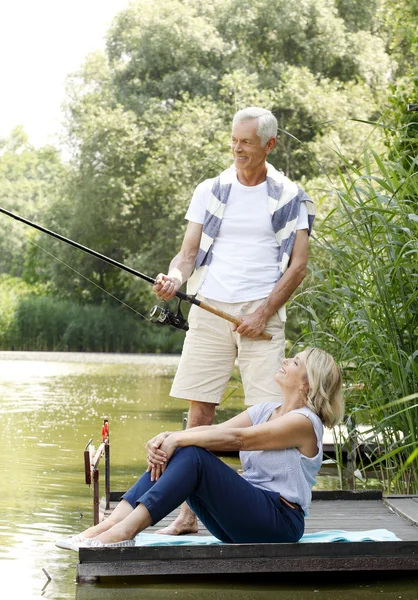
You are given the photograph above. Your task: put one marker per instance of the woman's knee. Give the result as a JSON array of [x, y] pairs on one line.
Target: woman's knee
[[191, 454], [187, 451]]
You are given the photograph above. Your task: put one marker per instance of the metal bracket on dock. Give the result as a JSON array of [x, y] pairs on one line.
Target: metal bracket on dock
[[91, 474]]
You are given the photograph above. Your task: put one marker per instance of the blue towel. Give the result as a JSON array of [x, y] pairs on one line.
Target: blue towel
[[332, 535], [340, 535]]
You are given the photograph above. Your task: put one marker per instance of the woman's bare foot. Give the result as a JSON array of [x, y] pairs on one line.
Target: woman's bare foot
[[179, 528], [186, 522]]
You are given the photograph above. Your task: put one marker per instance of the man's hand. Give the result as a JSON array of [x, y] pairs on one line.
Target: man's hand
[[165, 287], [252, 325]]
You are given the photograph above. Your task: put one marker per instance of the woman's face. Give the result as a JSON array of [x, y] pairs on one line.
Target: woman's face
[[293, 371]]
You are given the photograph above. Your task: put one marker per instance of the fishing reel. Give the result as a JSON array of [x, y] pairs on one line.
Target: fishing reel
[[161, 315]]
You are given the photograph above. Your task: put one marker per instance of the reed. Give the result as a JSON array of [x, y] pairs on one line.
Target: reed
[[41, 323], [362, 305]]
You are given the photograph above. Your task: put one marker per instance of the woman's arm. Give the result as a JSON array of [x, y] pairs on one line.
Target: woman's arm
[[153, 446], [239, 421], [289, 431]]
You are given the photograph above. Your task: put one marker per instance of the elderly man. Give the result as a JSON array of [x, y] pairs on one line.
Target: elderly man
[[247, 243]]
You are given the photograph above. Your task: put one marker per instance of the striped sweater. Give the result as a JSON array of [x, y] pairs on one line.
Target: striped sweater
[[284, 204]]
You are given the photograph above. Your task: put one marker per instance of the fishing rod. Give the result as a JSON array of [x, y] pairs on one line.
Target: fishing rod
[[158, 314]]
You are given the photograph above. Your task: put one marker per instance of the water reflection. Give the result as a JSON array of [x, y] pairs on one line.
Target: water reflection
[[254, 590], [49, 409]]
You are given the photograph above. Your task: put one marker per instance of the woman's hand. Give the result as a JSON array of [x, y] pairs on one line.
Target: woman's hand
[[154, 454], [166, 451], [168, 447], [157, 456]]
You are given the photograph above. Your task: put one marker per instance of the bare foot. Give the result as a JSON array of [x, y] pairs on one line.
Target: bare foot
[[181, 526]]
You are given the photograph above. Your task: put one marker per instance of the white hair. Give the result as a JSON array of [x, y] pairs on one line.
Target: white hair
[[266, 121]]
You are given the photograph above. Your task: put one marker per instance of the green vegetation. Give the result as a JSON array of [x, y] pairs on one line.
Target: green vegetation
[[149, 118], [362, 299], [31, 320]]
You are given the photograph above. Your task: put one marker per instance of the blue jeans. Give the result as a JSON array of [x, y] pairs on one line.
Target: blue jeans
[[231, 508]]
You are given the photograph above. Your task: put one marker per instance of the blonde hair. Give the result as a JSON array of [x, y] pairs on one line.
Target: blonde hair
[[325, 396]]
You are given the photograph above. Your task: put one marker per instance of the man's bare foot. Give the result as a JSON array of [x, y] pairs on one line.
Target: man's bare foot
[[181, 527]]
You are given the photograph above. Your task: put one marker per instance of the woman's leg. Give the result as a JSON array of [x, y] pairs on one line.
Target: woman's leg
[[235, 511], [150, 501], [118, 526], [231, 508], [122, 510], [137, 520]]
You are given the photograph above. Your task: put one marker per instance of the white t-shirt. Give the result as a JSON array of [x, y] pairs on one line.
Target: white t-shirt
[[245, 260]]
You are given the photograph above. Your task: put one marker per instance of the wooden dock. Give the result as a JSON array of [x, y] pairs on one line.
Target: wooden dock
[[354, 511]]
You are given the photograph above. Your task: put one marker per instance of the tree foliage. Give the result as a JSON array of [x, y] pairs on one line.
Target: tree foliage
[[30, 180]]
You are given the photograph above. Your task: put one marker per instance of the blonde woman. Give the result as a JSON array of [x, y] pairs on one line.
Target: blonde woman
[[280, 449]]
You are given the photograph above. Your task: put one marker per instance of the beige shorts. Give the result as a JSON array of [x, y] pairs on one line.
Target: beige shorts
[[209, 353]]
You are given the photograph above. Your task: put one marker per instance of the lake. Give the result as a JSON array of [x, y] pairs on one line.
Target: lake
[[51, 405]]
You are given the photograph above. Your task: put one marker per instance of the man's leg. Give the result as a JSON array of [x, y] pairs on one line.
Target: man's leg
[[259, 361], [200, 413]]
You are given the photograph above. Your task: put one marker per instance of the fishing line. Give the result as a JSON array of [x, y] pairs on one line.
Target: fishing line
[[80, 274]]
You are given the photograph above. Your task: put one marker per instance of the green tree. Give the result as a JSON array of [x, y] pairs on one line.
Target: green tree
[[30, 180], [402, 130], [163, 49]]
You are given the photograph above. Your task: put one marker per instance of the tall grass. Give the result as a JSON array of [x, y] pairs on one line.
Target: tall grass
[[362, 305], [47, 323]]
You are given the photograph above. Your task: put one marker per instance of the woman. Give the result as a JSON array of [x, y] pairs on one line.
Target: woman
[[281, 453]]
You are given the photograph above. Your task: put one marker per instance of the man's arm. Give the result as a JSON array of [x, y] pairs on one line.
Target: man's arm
[[254, 324], [181, 267]]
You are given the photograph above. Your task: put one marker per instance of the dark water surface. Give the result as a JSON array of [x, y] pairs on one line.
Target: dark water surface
[[51, 404]]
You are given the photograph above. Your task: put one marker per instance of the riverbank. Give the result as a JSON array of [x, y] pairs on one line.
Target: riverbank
[[168, 360]]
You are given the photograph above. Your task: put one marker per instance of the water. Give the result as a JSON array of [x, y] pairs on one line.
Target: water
[[50, 407]]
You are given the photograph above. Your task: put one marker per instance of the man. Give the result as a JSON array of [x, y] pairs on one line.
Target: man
[[247, 242]]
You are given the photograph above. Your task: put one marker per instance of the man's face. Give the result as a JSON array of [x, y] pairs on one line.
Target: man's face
[[246, 146]]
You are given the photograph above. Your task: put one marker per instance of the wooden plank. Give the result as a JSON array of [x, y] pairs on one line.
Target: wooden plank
[[245, 566], [357, 516], [249, 551], [346, 495], [96, 459], [402, 496], [405, 507]]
